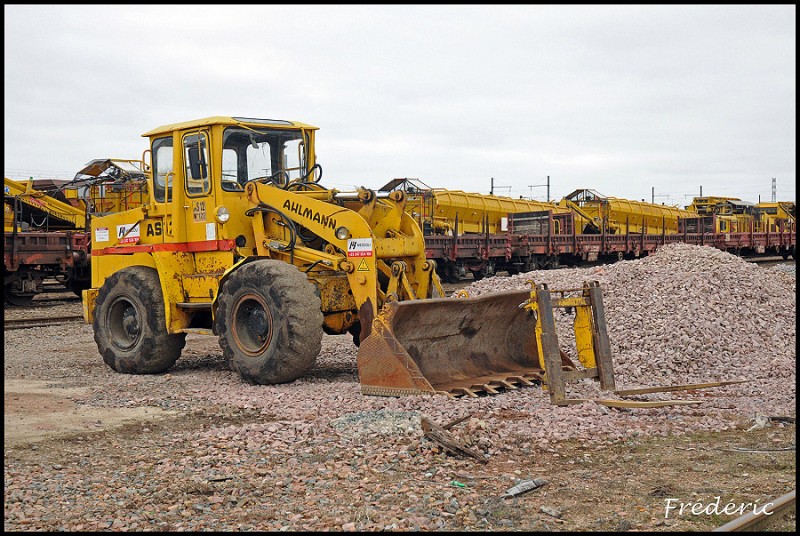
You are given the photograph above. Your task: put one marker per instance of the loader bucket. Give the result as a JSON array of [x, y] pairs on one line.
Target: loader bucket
[[457, 346], [497, 341]]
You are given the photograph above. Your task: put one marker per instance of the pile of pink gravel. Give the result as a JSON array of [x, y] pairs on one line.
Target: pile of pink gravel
[[685, 314]]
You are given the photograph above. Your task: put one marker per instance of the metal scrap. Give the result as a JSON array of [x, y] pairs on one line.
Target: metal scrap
[[524, 486]]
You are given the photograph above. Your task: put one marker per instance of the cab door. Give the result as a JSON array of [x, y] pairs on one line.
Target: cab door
[[201, 228]]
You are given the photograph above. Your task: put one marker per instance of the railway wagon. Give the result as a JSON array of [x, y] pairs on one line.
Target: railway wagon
[[714, 230], [30, 257], [545, 240], [46, 224]]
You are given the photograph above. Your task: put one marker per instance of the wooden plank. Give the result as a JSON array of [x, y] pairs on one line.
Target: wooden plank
[[669, 388], [550, 349], [572, 375], [440, 436], [602, 346], [457, 421], [631, 403]]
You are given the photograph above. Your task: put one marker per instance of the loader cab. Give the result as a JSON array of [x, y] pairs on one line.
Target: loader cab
[[277, 155], [200, 169]]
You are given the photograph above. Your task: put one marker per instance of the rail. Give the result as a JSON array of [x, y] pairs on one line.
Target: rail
[[26, 323], [754, 522]]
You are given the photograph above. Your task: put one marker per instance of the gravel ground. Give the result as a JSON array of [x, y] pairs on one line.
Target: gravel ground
[[317, 455]]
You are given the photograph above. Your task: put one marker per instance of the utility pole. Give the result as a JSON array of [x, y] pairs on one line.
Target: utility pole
[[774, 198], [532, 186], [652, 194], [701, 191], [548, 189], [491, 190]]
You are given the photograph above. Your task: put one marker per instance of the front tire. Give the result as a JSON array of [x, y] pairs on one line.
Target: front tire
[[269, 321], [130, 326]]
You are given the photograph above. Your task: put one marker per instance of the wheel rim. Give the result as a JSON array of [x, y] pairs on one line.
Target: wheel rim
[[123, 324], [252, 324]]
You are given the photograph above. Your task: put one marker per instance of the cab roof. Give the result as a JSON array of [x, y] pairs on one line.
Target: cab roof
[[226, 120]]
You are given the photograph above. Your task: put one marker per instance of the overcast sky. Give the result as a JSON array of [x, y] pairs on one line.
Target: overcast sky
[[639, 102]]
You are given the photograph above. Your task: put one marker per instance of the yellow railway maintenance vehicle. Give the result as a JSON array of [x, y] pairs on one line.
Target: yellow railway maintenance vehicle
[[774, 216], [107, 185], [237, 238], [597, 213], [35, 208], [708, 205], [732, 214], [440, 211]]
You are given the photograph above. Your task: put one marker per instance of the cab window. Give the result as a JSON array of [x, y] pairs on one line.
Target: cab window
[[195, 158], [268, 154], [162, 169]]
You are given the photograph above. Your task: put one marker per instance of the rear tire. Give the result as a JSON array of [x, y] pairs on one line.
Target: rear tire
[[269, 322], [130, 326]]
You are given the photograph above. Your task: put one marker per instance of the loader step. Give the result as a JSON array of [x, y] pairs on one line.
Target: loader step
[[194, 306]]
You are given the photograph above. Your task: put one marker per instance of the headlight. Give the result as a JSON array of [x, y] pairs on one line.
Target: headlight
[[342, 233], [222, 214]]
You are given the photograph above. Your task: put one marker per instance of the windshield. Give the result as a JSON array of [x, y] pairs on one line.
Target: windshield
[[249, 154]]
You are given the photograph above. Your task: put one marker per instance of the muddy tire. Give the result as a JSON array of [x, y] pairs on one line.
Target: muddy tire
[[130, 326], [269, 322]]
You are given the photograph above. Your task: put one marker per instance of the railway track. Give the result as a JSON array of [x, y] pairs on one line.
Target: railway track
[[769, 260], [25, 323], [756, 522]]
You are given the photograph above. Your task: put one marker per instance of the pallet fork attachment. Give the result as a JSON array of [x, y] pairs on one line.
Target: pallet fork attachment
[[593, 348]]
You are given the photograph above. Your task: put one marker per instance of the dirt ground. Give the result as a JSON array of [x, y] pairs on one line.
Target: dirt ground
[[622, 487], [38, 410], [613, 489]]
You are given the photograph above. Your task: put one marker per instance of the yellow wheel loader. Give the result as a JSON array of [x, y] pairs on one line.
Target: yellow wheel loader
[[237, 238]]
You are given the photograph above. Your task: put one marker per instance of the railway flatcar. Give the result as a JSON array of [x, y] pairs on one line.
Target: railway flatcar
[[584, 227]]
